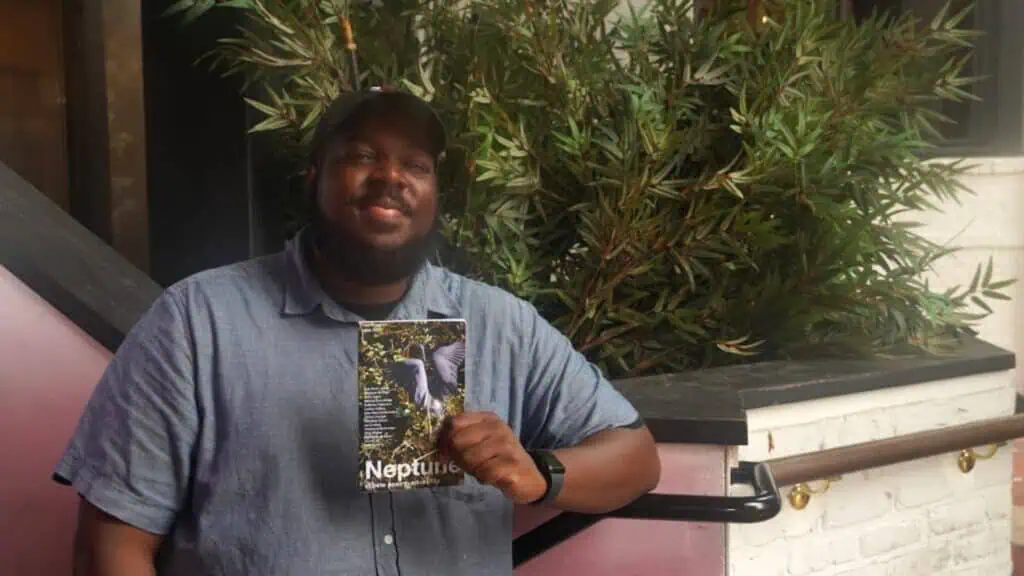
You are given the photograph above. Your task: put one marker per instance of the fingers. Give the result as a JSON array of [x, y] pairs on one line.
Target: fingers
[[485, 446], [476, 439], [502, 472], [460, 423], [475, 442], [475, 450], [492, 461], [467, 419]]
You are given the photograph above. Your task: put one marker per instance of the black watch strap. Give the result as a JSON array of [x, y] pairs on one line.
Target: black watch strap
[[553, 471]]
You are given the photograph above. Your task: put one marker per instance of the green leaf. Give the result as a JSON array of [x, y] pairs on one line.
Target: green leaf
[[975, 281], [993, 286], [269, 124], [980, 303], [179, 6], [266, 109], [995, 295]]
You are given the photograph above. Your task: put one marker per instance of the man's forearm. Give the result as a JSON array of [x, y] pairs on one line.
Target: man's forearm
[[608, 470], [125, 562]]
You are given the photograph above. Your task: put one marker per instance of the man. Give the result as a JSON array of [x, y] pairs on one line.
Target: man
[[223, 438]]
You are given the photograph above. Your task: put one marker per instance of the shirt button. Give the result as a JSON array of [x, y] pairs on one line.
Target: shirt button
[[389, 539]]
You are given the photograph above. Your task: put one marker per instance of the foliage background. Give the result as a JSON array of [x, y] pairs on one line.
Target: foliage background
[[381, 344], [671, 192]]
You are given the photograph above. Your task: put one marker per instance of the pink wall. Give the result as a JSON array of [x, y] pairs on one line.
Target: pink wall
[[619, 547], [48, 368]]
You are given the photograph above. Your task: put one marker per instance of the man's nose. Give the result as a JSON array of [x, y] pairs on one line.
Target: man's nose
[[387, 170]]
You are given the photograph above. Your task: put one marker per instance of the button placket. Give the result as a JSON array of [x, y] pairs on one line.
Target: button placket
[[384, 530]]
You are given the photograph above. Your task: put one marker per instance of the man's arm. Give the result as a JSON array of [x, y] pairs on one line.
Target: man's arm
[[106, 546], [608, 470], [610, 458], [130, 456]]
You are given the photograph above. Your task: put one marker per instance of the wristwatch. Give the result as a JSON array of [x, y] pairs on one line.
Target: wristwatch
[[553, 472]]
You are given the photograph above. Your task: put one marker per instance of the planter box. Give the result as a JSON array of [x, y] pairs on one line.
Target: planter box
[[922, 517]]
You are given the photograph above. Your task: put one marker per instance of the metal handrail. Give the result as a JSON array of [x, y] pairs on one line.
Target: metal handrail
[[762, 506], [875, 454]]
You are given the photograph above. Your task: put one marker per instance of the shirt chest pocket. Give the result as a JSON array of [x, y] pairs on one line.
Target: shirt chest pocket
[[471, 493]]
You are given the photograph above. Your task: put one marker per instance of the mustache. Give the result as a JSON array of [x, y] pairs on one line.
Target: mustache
[[389, 197]]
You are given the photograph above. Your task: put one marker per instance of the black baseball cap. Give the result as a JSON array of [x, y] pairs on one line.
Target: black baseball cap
[[348, 109]]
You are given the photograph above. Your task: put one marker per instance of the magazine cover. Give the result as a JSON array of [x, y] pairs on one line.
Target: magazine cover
[[411, 377]]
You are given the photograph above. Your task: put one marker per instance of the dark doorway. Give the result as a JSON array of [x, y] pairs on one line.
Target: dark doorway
[[197, 148]]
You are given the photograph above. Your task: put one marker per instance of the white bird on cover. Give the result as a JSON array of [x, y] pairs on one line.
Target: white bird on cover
[[428, 392]]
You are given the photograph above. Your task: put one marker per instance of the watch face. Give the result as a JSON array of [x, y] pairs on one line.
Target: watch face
[[556, 464], [550, 462], [552, 470]]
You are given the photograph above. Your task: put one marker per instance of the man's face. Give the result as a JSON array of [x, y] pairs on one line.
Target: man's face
[[376, 201]]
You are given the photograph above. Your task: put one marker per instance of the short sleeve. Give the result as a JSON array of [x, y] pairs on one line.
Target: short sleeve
[[130, 454], [567, 398]]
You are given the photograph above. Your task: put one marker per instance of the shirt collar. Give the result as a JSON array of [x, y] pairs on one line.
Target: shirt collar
[[428, 295]]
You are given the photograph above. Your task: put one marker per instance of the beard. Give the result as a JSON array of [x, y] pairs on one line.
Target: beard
[[357, 261]]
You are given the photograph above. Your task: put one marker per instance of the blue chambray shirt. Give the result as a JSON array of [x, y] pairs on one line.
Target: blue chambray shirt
[[227, 421]]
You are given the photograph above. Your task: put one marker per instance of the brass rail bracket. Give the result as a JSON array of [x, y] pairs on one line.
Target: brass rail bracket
[[800, 494], [969, 457]]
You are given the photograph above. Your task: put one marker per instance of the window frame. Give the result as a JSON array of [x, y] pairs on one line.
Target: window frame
[[995, 124]]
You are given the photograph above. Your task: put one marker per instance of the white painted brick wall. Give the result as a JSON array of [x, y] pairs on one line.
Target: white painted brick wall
[[920, 518], [989, 223]]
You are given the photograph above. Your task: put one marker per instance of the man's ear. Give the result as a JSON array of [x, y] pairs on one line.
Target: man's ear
[[311, 175], [312, 184], [310, 192]]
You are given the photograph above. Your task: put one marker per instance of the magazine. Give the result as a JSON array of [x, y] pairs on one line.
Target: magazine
[[412, 377]]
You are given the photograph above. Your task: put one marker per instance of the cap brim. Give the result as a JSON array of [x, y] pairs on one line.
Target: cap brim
[[348, 110]]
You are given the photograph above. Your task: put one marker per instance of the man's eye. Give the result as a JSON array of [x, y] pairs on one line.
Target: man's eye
[[360, 156], [418, 167]]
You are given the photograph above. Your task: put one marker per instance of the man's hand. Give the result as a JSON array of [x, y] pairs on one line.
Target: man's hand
[[484, 446]]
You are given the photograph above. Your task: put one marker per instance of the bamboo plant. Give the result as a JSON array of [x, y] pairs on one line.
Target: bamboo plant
[[672, 188]]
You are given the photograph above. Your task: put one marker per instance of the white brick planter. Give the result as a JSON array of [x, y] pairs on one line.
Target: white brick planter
[[923, 517]]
